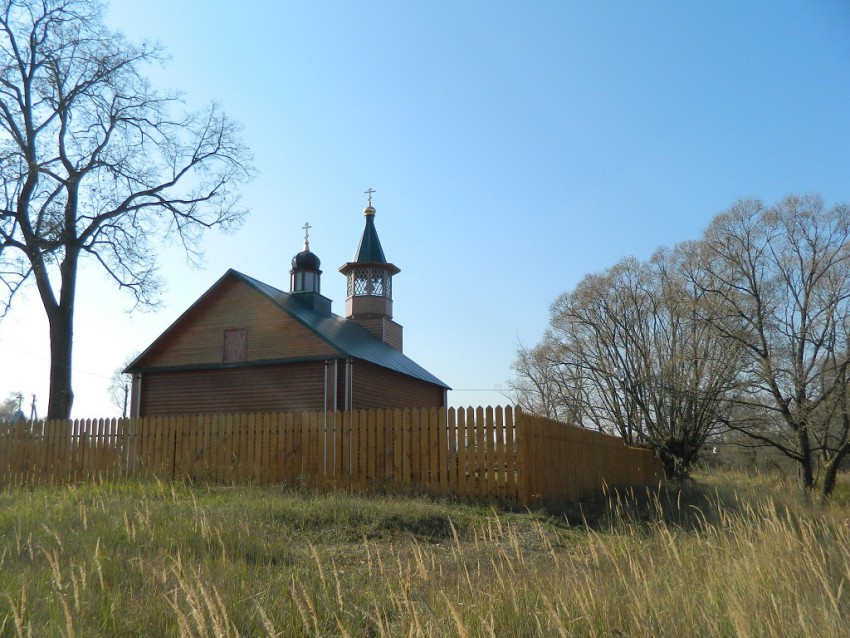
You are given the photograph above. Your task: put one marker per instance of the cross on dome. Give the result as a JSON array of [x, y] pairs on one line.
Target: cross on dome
[[306, 228], [369, 193]]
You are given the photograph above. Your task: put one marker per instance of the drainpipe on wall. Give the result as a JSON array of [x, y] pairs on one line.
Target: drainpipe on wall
[[349, 372], [325, 419]]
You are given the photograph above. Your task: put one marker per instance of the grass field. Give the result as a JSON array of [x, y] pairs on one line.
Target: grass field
[[727, 555]]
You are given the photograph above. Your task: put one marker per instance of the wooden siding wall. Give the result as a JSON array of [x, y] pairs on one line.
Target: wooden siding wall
[[377, 387], [280, 388], [483, 454], [272, 333], [385, 329]]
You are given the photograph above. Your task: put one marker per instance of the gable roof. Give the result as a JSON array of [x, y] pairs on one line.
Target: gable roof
[[346, 336]]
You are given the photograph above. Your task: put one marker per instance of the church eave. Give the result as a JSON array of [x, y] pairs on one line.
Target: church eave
[[241, 364], [383, 265]]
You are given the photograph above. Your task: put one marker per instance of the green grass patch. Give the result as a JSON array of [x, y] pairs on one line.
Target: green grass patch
[[723, 555]]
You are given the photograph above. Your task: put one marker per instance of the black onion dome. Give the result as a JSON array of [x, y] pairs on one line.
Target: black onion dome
[[305, 260]]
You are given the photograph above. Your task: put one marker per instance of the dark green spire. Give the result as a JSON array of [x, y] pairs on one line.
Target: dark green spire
[[369, 248]]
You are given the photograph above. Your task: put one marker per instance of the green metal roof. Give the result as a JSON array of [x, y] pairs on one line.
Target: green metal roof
[[349, 338], [346, 336], [369, 248]]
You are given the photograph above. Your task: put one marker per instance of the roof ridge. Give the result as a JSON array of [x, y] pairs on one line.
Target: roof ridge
[[346, 336]]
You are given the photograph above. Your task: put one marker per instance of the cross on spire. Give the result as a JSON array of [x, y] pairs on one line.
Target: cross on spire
[[369, 193], [306, 228]]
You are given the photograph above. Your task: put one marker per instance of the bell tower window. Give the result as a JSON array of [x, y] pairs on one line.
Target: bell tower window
[[369, 284], [369, 275]]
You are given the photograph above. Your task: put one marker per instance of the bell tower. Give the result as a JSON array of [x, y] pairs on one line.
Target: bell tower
[[369, 278]]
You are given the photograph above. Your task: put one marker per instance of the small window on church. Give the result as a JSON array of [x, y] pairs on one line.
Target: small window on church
[[235, 345], [377, 283], [361, 282]]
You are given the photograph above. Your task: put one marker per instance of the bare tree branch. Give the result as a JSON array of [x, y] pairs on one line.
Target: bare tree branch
[[96, 163], [785, 271]]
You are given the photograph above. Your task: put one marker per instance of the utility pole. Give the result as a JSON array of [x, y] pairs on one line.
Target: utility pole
[[34, 418]]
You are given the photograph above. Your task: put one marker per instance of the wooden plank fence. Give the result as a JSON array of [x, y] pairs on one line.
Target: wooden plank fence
[[478, 454]]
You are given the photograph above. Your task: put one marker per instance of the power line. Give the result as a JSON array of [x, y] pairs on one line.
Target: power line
[[95, 374], [480, 389], [46, 360]]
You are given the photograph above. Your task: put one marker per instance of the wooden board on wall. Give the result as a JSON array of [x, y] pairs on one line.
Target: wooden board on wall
[[278, 388], [270, 332], [377, 387]]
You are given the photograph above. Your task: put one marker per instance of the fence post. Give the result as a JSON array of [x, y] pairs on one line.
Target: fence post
[[442, 452], [525, 456]]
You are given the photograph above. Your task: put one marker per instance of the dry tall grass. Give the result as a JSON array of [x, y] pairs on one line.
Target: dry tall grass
[[732, 558]]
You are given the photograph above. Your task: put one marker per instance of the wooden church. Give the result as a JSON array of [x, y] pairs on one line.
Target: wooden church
[[246, 346]]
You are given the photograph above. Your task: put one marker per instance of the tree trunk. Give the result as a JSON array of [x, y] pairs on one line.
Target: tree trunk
[[61, 318], [61, 343], [676, 465], [831, 471], [807, 476]]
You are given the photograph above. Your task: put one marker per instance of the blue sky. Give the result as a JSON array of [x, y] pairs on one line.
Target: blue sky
[[514, 148]]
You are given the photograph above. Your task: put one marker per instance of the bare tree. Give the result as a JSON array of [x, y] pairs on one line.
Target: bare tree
[[10, 405], [781, 277], [640, 361], [543, 386], [120, 384], [96, 163]]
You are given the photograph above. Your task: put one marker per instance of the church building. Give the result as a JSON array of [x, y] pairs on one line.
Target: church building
[[245, 346]]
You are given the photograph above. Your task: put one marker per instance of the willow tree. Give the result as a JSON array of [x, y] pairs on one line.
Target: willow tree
[[780, 276], [632, 349], [543, 385], [95, 163]]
